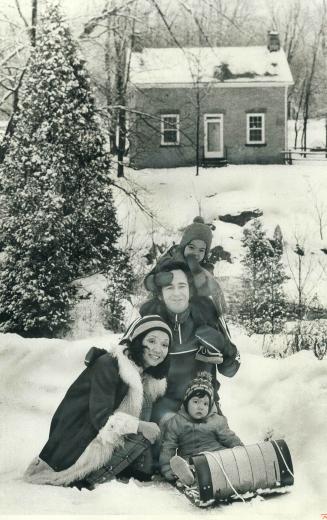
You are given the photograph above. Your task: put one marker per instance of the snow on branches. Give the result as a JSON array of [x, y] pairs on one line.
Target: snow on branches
[[60, 221]]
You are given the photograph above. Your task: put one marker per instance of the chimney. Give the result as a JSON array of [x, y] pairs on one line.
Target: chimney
[[273, 41]]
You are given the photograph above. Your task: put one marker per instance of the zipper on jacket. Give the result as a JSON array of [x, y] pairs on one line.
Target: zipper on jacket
[[177, 326]]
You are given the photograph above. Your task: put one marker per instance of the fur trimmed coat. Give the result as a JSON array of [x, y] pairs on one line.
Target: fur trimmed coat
[[102, 405]]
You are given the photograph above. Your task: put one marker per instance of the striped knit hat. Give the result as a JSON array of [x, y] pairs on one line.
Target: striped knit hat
[[144, 325], [201, 383]]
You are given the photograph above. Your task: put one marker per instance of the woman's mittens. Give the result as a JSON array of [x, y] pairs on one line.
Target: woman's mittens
[[149, 430]]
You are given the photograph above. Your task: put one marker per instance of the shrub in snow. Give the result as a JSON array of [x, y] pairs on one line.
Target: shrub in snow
[[61, 222], [276, 345], [310, 335], [121, 281], [263, 303]]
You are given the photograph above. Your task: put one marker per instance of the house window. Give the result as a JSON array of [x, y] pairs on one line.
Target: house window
[[255, 128], [170, 129]]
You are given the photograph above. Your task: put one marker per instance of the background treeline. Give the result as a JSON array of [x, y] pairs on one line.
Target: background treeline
[[106, 28]]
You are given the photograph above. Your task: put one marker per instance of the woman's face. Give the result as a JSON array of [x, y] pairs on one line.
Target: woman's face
[[156, 345]]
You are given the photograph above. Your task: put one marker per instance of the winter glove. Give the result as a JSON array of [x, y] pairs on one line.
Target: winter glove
[[209, 355], [200, 276], [214, 344], [193, 264]]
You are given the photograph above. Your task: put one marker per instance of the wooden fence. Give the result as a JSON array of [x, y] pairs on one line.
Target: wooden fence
[[304, 154]]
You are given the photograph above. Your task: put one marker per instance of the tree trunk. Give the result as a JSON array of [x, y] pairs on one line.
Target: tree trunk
[[121, 122], [34, 22], [121, 142], [197, 151]]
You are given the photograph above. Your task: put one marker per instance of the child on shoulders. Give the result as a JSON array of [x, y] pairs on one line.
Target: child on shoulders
[[197, 427], [194, 249]]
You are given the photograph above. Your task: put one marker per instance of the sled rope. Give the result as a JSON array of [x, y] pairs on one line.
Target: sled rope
[[225, 474], [288, 469]]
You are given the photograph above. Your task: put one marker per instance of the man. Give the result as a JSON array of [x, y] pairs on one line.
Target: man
[[201, 340]]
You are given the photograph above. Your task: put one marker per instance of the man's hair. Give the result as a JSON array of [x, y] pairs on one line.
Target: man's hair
[[174, 265]]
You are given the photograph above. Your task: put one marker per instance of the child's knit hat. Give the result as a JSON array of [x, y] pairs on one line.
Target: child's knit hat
[[144, 325], [200, 384], [198, 230]]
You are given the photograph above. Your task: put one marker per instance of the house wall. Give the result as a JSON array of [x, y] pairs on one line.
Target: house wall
[[233, 102]]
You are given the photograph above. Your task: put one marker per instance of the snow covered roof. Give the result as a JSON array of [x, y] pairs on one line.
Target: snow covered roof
[[220, 65]]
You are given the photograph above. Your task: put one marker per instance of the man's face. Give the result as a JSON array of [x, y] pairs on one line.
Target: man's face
[[176, 295]]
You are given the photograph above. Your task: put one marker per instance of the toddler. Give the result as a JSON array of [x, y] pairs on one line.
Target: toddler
[[197, 427], [194, 249]]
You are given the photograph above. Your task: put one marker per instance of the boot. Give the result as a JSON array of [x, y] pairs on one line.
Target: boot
[[181, 468]]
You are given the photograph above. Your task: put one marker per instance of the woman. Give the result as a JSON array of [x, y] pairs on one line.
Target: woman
[[102, 423]]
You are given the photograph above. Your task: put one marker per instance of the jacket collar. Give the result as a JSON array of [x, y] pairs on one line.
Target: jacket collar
[[177, 319]]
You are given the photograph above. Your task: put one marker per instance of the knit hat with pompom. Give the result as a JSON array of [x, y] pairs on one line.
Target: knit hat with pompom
[[201, 384], [198, 230]]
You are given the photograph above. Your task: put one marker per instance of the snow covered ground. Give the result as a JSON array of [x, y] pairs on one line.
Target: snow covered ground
[[293, 197], [287, 396]]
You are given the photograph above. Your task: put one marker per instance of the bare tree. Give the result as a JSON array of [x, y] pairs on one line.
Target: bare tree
[[115, 31], [15, 75], [320, 210]]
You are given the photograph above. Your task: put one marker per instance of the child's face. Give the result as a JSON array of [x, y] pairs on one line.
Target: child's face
[[198, 407], [156, 345], [196, 248]]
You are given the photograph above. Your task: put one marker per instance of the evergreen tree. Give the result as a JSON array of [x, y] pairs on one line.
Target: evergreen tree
[[121, 280], [60, 217], [263, 306]]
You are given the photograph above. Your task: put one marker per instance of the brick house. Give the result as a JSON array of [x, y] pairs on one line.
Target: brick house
[[228, 104]]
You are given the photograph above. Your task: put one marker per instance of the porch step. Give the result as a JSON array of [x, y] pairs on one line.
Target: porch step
[[214, 163]]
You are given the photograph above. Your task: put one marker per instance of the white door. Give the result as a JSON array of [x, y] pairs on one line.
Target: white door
[[213, 136]]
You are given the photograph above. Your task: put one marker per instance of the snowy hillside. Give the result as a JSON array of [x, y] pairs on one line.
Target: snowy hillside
[[286, 396], [292, 197]]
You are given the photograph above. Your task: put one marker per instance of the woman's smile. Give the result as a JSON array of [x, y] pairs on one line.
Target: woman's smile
[[155, 350]]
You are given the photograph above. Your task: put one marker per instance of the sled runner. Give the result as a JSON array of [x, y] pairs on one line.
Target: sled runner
[[239, 472]]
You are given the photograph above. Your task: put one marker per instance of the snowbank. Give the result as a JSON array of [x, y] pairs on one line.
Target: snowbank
[[287, 397]]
